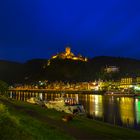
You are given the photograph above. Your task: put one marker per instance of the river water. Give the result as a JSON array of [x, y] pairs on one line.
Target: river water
[[117, 110]]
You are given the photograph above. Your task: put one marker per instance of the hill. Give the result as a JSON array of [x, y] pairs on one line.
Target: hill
[[11, 72], [68, 70]]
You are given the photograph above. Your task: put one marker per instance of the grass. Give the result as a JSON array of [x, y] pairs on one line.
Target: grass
[[104, 130], [10, 127], [35, 122], [29, 127]]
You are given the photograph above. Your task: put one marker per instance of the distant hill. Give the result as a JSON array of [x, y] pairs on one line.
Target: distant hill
[[67, 70], [128, 67], [11, 72]]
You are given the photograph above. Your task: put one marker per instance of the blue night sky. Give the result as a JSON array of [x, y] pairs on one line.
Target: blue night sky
[[40, 28]]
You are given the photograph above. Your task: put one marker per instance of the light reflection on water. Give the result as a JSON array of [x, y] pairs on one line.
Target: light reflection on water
[[123, 111], [126, 107], [137, 110]]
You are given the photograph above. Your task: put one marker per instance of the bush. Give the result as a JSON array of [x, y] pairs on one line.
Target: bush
[[3, 110], [3, 87]]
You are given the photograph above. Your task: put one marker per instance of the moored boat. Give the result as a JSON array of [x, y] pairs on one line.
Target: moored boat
[[67, 105], [34, 100]]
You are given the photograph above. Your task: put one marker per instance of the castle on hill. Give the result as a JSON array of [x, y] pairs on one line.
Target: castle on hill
[[69, 55]]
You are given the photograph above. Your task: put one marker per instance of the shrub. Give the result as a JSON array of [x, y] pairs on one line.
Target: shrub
[[3, 110], [3, 87]]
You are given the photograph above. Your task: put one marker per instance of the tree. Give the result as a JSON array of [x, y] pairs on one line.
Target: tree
[[3, 88]]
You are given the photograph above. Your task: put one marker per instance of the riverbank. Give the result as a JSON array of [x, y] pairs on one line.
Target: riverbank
[[42, 123], [55, 91], [119, 93]]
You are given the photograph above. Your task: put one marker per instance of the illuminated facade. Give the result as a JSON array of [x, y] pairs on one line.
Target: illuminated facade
[[69, 55], [126, 82], [111, 69]]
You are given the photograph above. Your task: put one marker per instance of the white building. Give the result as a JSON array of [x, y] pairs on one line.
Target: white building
[[111, 69]]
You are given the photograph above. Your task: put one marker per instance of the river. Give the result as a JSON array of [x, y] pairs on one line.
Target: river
[[117, 110]]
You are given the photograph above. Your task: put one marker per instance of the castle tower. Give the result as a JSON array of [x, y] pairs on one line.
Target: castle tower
[[68, 50]]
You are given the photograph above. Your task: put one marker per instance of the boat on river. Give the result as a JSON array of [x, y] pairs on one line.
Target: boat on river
[[34, 100], [67, 105]]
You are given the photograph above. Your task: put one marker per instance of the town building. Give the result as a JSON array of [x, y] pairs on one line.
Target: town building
[[111, 69]]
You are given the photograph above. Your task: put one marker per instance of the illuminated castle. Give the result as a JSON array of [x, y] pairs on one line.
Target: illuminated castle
[[69, 55]]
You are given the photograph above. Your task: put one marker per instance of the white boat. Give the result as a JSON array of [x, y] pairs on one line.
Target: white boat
[[67, 105], [34, 100]]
